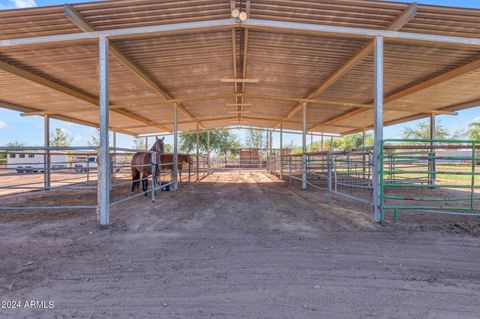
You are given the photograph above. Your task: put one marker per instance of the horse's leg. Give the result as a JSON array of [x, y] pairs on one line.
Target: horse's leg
[[135, 177], [145, 185]]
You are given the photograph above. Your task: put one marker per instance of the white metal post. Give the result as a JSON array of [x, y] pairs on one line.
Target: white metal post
[[378, 128], [432, 162], [46, 165], [198, 154], [281, 151], [321, 143], [114, 160], [175, 147], [304, 148], [208, 151], [103, 206]]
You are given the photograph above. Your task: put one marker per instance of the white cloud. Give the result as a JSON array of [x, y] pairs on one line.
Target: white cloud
[[17, 4], [24, 3], [3, 124]]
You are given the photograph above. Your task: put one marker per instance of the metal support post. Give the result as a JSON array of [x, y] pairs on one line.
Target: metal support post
[[378, 130], [281, 151], [304, 148], [432, 161], [197, 155], [103, 206], [47, 165], [321, 143], [114, 160], [155, 158], [175, 147], [146, 143], [208, 151]]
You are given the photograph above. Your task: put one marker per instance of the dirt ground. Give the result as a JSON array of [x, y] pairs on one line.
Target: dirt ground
[[237, 246]]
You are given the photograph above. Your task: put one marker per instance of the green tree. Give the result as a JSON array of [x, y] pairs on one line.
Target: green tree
[[220, 141], [474, 131], [168, 148], [3, 155], [422, 131], [139, 143], [256, 139], [94, 139], [60, 138], [15, 144]]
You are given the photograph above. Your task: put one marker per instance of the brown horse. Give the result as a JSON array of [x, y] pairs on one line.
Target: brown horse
[[141, 165], [182, 158]]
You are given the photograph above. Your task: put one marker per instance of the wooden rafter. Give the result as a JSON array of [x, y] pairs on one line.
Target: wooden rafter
[[75, 93], [396, 25], [85, 26], [414, 88], [30, 110]]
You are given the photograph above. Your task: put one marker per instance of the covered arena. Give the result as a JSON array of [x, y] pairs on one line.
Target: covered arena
[[144, 67], [252, 233]]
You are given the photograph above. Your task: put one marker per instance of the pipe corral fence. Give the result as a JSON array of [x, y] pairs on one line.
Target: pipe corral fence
[[417, 176], [422, 176], [73, 169]]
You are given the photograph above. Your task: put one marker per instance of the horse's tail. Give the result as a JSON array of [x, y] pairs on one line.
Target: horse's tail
[[135, 179]]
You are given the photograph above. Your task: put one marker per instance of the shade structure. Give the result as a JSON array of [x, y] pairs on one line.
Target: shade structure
[[256, 73]]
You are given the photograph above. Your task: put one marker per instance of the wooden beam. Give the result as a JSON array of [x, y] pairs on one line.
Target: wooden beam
[[396, 25], [414, 88], [141, 119], [75, 93], [85, 26], [30, 110], [12, 69]]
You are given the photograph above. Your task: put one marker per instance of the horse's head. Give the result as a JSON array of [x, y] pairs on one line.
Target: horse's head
[[159, 145]]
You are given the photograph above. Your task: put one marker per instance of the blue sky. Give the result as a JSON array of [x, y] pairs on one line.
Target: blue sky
[[29, 130]]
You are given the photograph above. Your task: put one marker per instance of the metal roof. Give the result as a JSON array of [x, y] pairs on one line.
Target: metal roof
[[150, 72]]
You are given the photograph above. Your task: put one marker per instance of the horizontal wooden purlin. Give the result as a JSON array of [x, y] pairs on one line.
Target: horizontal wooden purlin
[[26, 109], [85, 26]]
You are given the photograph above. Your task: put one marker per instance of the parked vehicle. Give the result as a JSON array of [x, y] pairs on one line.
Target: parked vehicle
[[35, 162], [84, 163]]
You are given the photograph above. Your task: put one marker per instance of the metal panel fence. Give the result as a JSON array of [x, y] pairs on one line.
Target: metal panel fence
[[75, 169], [430, 176], [344, 173]]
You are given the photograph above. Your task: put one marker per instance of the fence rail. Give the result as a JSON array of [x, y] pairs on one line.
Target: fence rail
[[430, 176], [76, 168]]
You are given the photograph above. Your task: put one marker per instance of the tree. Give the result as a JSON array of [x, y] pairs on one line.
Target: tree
[[256, 139], [95, 139], [220, 141], [15, 144], [139, 143], [60, 138], [422, 132], [474, 131], [3, 155]]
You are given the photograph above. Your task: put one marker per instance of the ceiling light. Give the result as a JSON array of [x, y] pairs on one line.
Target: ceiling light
[[235, 13]]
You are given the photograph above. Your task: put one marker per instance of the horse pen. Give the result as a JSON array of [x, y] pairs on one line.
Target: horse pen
[[389, 231]]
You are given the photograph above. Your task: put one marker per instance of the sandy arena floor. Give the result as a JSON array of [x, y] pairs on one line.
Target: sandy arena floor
[[237, 246]]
